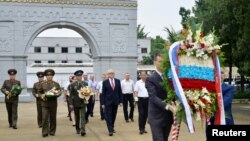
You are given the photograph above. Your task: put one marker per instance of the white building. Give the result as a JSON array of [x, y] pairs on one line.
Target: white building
[[59, 50], [143, 47]]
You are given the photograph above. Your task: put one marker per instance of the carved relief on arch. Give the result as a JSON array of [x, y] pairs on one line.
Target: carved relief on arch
[[119, 38], [6, 39], [97, 29], [28, 27]]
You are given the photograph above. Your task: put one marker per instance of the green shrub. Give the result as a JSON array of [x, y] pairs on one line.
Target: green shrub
[[242, 95]]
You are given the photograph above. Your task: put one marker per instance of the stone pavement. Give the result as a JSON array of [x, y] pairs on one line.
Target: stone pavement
[[96, 129]]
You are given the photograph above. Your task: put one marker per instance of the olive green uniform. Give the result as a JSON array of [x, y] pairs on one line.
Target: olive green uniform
[[12, 102], [49, 109], [38, 90], [79, 105]]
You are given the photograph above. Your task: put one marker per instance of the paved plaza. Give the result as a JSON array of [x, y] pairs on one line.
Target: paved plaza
[[96, 129]]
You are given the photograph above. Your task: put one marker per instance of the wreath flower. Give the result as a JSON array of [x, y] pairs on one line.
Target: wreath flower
[[191, 67]]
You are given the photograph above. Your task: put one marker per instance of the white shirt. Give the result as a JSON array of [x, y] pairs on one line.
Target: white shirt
[[127, 86], [99, 87], [141, 89]]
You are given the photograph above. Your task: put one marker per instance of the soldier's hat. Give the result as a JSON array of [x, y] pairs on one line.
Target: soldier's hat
[[12, 71], [78, 73], [49, 72], [40, 74]]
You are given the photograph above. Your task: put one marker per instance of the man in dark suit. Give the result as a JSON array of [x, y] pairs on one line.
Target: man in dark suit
[[111, 98], [160, 116]]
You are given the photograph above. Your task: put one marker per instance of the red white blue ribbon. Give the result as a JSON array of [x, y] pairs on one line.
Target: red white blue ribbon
[[220, 115], [173, 58]]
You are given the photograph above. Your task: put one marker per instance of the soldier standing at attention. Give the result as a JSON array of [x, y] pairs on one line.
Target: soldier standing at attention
[[11, 101], [49, 105], [37, 92], [78, 103]]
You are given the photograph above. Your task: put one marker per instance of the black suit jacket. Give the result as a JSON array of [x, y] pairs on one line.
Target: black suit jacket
[[110, 96], [157, 114]]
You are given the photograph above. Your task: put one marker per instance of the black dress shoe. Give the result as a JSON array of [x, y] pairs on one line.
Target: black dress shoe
[[132, 119], [45, 135], [145, 131], [110, 133], [83, 133], [127, 121], [141, 132], [52, 134], [14, 127]]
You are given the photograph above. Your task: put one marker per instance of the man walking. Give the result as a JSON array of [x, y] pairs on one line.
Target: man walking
[[78, 103], [49, 105], [142, 94], [37, 92], [111, 98], [128, 97], [11, 100]]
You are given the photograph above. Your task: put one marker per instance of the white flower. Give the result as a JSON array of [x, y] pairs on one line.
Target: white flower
[[201, 103], [205, 56], [199, 52]]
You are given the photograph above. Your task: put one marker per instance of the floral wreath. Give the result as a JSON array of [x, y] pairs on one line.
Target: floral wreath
[[195, 65]]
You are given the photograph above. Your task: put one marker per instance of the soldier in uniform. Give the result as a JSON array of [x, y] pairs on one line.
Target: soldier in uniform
[[49, 105], [11, 101], [37, 92], [78, 103]]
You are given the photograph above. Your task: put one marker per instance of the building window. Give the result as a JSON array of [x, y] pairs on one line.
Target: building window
[[51, 50], [144, 50], [64, 50], [64, 61], [51, 61], [38, 61], [78, 50], [37, 49], [78, 61]]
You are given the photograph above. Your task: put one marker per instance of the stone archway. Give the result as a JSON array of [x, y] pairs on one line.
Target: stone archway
[[109, 27]]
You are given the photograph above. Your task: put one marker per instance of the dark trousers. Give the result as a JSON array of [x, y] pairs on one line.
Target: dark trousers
[[49, 119], [143, 112], [89, 108], [110, 112], [39, 112], [128, 98], [160, 133], [80, 119], [101, 110], [12, 112]]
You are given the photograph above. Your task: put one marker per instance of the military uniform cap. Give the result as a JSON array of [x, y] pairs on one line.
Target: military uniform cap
[[49, 72], [78, 73], [12, 71], [40, 74]]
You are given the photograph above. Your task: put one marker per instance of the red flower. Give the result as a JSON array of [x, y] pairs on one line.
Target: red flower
[[202, 45], [201, 35]]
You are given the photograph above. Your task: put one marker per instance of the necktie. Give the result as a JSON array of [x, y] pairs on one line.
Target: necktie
[[112, 84]]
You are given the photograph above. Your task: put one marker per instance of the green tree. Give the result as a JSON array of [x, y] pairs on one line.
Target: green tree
[[141, 33], [185, 14], [230, 20]]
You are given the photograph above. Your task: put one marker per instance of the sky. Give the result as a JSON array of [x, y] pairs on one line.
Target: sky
[[154, 15]]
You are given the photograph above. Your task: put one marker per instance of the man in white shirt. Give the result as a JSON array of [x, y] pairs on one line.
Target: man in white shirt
[[99, 88], [128, 97], [142, 94]]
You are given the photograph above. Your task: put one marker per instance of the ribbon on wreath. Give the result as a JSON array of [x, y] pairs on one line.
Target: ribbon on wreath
[[173, 58]]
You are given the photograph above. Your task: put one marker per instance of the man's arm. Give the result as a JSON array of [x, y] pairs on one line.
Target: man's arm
[[151, 88]]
